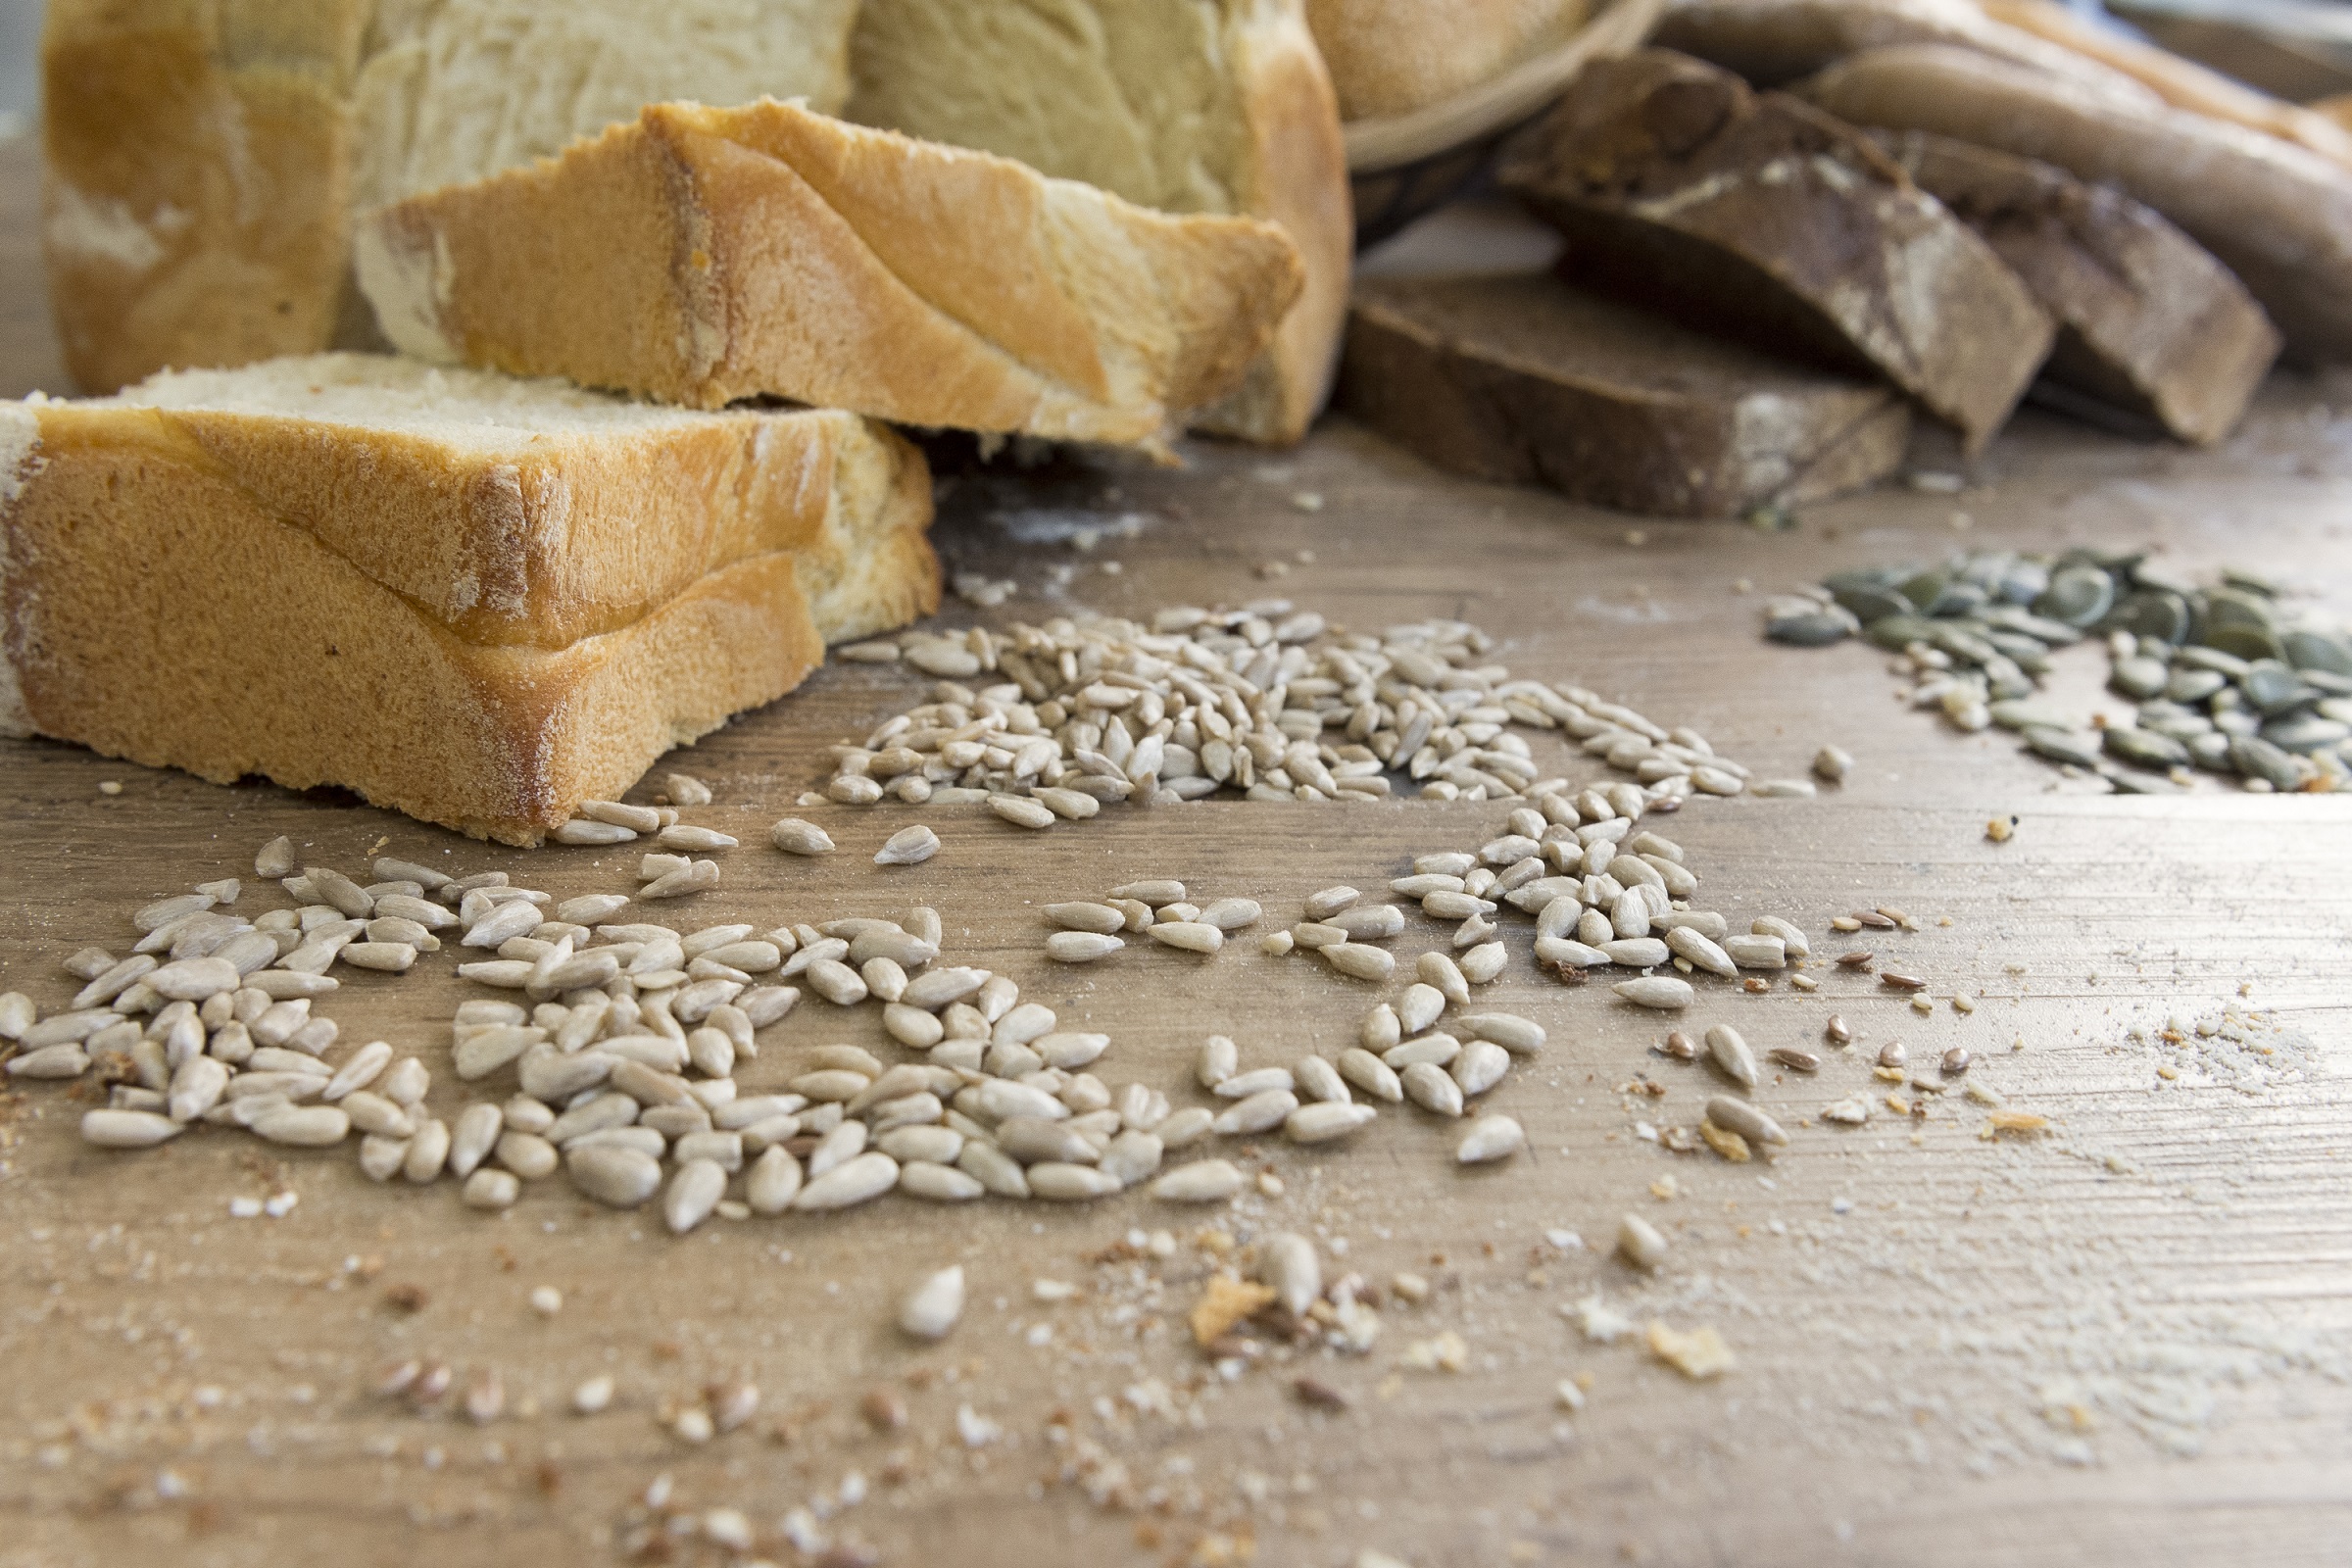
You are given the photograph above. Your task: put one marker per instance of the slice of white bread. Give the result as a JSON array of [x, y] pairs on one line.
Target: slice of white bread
[[1188, 105], [1389, 57], [204, 158], [702, 255], [475, 600]]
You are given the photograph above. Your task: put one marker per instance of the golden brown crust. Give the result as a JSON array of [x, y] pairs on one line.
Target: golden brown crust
[[1390, 57], [155, 607], [1296, 176], [195, 212], [565, 536], [705, 255]]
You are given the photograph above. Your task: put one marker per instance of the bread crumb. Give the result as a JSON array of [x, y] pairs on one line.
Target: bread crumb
[[1697, 1355], [1225, 1302]]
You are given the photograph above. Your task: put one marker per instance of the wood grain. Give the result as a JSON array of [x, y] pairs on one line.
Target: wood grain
[[2173, 1262]]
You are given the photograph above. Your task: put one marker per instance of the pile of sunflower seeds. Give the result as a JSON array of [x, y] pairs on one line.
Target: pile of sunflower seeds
[[1267, 700], [2227, 680]]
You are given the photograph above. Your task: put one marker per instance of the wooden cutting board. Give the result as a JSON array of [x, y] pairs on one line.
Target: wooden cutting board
[[1949, 1351]]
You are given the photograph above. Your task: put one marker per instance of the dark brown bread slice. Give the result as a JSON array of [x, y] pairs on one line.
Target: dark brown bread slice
[[2147, 319], [1526, 380], [1761, 216]]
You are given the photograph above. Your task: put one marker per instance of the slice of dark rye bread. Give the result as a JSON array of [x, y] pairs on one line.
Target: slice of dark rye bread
[[1756, 214], [1525, 379], [2147, 319]]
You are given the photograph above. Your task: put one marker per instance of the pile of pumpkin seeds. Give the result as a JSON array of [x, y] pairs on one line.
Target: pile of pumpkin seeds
[[2226, 679]]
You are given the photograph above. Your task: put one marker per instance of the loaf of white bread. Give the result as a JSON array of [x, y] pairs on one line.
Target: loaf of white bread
[[470, 598], [207, 162], [1185, 106], [699, 255], [204, 160]]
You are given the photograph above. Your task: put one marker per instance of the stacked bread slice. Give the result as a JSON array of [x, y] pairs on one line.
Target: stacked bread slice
[[475, 599]]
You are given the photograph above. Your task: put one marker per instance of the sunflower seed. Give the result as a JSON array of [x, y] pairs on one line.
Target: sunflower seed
[[796, 837], [1022, 812], [1071, 1184], [1360, 961], [1316, 938], [1757, 952], [1656, 991], [1640, 1244], [774, 1180], [584, 830], [855, 1181], [304, 1126], [1190, 935], [1382, 1028], [128, 1129], [1438, 1050], [1259, 1113], [1702, 952], [930, 1310], [1370, 1074], [909, 846], [694, 1191], [1154, 893], [428, 1152], [490, 1188], [1317, 1079], [1730, 1055], [1203, 1181], [1232, 914], [1521, 1037], [1241, 1086], [1490, 1138], [697, 877], [1738, 1116], [1100, 918], [275, 860], [1427, 1085], [1479, 1067], [1330, 902], [1439, 969], [1288, 1262], [612, 1174]]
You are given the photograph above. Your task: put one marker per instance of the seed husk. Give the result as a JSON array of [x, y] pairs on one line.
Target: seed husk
[[1490, 1138], [1956, 1059], [1901, 982], [1681, 1046], [1799, 1061], [1892, 1055], [1836, 1031]]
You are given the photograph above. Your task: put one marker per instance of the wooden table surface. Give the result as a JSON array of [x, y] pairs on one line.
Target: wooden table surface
[[2125, 1339]]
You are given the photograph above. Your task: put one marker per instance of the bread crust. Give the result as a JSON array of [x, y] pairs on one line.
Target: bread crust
[[1296, 177], [700, 255], [1525, 380], [195, 210], [2278, 216], [1676, 185], [2147, 320], [1390, 57], [158, 607]]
